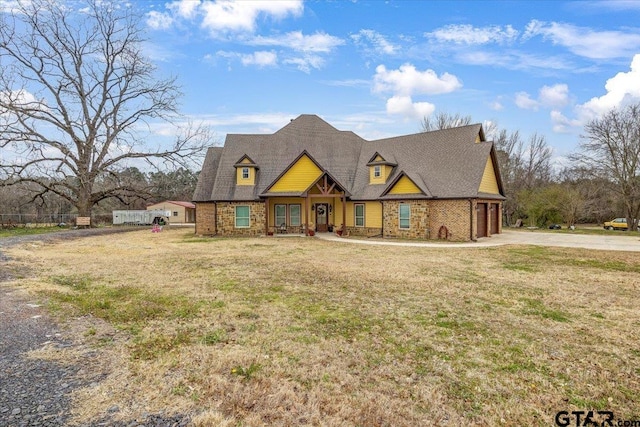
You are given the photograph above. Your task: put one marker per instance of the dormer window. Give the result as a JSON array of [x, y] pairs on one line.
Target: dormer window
[[379, 169], [246, 171]]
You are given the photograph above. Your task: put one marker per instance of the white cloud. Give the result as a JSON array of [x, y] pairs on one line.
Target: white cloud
[[159, 20], [621, 88], [261, 59], [555, 96], [186, 9], [523, 100], [10, 6], [404, 106], [223, 16], [306, 62], [586, 42], [515, 60], [470, 35], [562, 124], [235, 16], [496, 106], [380, 44], [23, 99], [318, 42], [407, 81]]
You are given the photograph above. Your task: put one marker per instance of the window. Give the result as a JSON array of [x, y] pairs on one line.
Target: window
[[245, 173], [405, 215], [280, 215], [377, 171], [359, 211], [242, 216], [294, 215], [175, 213]]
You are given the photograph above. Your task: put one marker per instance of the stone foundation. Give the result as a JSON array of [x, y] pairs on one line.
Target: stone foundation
[[364, 231]]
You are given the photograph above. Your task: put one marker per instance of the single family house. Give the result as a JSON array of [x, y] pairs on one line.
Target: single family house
[[443, 184]]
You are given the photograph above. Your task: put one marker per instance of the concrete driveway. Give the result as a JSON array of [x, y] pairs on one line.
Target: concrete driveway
[[616, 241]]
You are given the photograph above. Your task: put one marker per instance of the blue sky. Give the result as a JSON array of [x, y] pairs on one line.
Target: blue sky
[[378, 67]]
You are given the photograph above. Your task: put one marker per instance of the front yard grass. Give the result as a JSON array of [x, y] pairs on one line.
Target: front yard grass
[[272, 331]]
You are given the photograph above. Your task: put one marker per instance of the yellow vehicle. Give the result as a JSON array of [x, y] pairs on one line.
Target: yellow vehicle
[[616, 224]]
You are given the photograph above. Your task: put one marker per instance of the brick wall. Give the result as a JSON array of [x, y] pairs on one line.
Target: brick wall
[[205, 218], [227, 217], [454, 216], [419, 219]]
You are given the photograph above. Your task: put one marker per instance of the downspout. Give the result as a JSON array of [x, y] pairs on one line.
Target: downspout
[[471, 221]]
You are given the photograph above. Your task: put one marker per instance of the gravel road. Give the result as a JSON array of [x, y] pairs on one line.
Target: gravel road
[[36, 392]]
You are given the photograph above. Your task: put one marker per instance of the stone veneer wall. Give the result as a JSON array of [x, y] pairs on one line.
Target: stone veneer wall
[[227, 218], [364, 231], [205, 218], [454, 215], [418, 220]]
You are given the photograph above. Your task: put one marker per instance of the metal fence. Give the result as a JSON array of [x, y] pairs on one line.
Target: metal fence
[[36, 220]]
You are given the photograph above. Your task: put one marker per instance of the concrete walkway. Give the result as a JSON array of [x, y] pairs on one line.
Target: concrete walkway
[[616, 241]]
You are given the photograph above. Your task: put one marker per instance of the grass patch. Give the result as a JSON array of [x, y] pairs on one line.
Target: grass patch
[[270, 333], [28, 231], [537, 308], [122, 304]]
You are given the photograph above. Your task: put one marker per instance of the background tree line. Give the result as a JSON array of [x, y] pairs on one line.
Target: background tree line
[[144, 188]]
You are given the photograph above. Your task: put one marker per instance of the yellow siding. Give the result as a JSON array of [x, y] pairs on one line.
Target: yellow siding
[[299, 177], [385, 171], [378, 158], [405, 186], [245, 160], [372, 214], [489, 183], [252, 176]]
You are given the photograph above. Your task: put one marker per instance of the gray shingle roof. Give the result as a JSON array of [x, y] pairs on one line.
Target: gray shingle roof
[[443, 164], [207, 175]]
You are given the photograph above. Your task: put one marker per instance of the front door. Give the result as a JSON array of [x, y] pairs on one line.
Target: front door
[[322, 212]]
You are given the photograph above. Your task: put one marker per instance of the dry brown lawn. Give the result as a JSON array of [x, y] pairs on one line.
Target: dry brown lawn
[[296, 331]]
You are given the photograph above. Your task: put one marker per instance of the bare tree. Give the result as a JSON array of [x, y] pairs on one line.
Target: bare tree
[[610, 149], [77, 99], [523, 167], [444, 120]]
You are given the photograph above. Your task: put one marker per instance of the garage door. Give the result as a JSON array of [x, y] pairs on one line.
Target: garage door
[[495, 216], [482, 220]]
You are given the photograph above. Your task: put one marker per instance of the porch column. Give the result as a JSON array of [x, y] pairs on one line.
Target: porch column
[[344, 213], [306, 209], [266, 216]]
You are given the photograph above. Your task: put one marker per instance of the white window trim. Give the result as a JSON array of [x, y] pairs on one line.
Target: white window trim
[[236, 216], [377, 171], [247, 173], [400, 217], [355, 215]]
